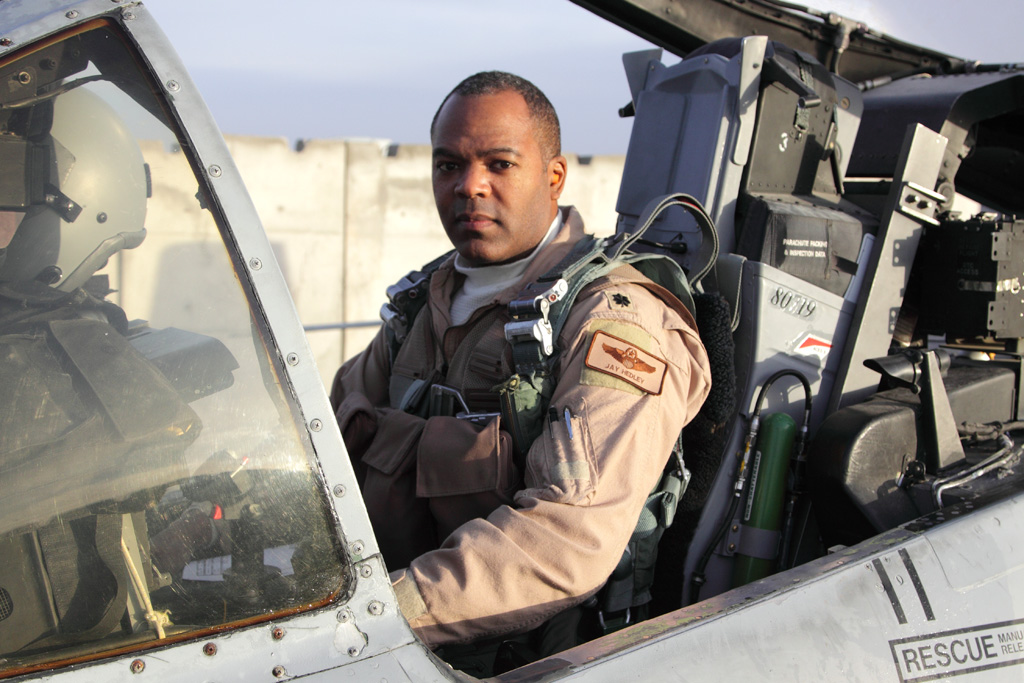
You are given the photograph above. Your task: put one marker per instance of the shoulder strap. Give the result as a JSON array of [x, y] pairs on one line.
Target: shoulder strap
[[405, 300], [542, 308]]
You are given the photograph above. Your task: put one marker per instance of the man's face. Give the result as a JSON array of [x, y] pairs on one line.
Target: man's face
[[495, 192]]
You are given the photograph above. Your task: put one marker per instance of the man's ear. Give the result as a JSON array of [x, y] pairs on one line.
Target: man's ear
[[556, 175]]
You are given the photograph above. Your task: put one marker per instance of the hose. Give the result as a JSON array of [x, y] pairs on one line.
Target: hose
[[699, 579]]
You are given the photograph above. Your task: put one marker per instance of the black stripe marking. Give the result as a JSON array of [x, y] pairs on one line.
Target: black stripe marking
[[887, 585], [918, 586]]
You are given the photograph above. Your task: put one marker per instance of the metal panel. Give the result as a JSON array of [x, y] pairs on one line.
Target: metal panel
[[847, 46], [786, 323], [885, 280], [367, 637], [694, 123], [862, 614], [942, 103]]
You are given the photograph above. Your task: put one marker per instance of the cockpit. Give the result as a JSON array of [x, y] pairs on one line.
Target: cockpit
[[157, 477]]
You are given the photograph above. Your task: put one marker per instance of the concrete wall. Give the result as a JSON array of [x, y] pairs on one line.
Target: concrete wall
[[347, 218]]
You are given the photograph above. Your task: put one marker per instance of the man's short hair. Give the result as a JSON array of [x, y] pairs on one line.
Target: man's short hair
[[549, 133]]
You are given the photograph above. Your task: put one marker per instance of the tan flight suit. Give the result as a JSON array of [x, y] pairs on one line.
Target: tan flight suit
[[488, 552]]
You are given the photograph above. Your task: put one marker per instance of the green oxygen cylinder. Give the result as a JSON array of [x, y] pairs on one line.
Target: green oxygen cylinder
[[762, 514]]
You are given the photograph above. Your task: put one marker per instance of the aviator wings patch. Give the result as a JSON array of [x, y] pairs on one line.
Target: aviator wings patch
[[628, 358], [626, 361]]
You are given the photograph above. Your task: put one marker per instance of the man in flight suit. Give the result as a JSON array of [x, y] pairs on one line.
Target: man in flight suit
[[483, 544]]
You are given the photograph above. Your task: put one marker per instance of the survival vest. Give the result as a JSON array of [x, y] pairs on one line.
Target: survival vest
[[538, 314]]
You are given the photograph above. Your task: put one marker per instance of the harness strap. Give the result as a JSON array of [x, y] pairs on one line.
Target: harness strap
[[405, 299], [542, 307]]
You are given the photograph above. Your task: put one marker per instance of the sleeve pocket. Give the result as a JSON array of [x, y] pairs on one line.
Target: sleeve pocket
[[561, 468]]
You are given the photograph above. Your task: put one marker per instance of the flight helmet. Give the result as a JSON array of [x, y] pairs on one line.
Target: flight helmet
[[82, 184]]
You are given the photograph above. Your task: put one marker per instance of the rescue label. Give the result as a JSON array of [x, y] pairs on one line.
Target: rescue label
[[962, 651], [627, 361]]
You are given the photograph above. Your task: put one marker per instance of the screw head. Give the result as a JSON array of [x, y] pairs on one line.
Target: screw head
[[353, 651], [316, 425], [278, 671], [357, 548], [73, 14], [366, 571], [173, 86], [339, 491], [215, 171], [277, 633], [137, 666], [343, 617], [376, 608], [127, 16], [210, 649], [292, 358], [6, 42], [255, 263]]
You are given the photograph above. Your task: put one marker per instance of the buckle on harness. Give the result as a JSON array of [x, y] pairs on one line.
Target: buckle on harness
[[408, 293], [612, 624], [530, 316], [442, 402]]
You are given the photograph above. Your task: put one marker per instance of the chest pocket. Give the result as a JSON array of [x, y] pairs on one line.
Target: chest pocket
[[482, 361], [464, 471]]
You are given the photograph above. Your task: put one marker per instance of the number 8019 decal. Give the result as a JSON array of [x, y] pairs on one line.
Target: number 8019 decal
[[793, 303]]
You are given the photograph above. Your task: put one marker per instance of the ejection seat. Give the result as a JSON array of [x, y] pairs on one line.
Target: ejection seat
[[759, 134]]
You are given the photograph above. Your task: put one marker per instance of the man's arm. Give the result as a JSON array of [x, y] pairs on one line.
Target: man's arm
[[359, 393], [588, 475]]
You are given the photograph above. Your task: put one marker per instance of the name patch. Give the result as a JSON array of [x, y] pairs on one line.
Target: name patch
[[626, 361]]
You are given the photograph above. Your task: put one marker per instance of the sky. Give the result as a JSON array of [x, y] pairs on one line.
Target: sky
[[362, 69]]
